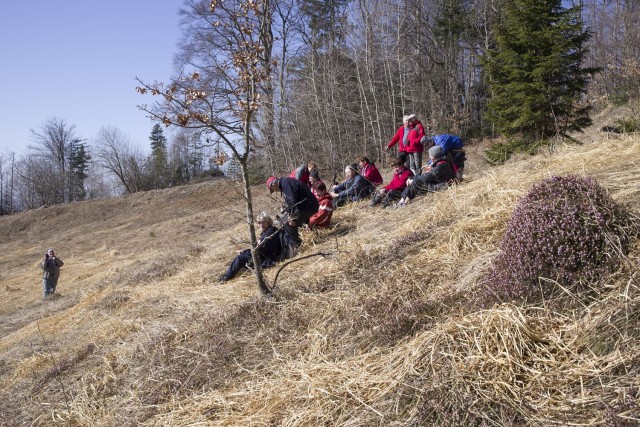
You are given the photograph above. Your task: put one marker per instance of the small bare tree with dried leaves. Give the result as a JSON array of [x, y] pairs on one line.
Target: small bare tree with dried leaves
[[218, 91]]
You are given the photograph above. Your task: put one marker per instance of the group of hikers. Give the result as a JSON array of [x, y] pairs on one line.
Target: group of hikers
[[310, 204]]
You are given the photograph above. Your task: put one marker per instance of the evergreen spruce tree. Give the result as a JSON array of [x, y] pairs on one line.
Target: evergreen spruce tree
[[534, 73], [78, 166], [158, 161]]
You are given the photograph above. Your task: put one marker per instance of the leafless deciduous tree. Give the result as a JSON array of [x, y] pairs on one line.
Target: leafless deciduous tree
[[114, 153], [224, 69]]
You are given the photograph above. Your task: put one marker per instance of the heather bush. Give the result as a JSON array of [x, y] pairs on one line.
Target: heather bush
[[567, 229]]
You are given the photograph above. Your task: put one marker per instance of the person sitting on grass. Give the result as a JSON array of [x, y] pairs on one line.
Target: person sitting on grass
[[303, 172], [369, 171], [437, 176], [269, 248], [353, 188], [394, 190], [314, 179], [322, 219], [453, 148]]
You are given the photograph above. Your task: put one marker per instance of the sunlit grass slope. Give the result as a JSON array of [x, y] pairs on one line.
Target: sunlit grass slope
[[384, 331]]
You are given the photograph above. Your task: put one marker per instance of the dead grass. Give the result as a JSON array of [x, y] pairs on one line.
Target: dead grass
[[382, 332]]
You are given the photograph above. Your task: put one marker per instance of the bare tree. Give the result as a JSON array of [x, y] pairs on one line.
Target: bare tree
[[224, 63], [54, 140], [114, 152]]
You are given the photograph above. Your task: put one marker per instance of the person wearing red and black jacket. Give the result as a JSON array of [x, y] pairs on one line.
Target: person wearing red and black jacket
[[322, 219], [393, 191], [437, 177], [299, 203], [303, 172], [453, 148], [369, 171]]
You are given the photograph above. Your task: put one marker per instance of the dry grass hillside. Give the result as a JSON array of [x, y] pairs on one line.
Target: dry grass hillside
[[383, 332]]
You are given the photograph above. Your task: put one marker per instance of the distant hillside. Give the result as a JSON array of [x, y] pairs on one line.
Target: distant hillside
[[383, 332]]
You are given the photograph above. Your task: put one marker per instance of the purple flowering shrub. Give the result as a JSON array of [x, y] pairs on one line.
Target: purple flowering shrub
[[565, 229]]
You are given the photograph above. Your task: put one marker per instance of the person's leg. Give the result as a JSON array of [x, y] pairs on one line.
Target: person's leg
[[340, 201], [389, 197], [292, 235], [237, 264], [418, 163], [47, 285], [376, 198], [412, 162], [420, 185]]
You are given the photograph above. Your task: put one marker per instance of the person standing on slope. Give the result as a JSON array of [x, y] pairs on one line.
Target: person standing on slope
[[50, 266]]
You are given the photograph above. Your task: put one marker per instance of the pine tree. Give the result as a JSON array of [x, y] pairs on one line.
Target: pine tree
[[158, 159], [78, 166], [534, 73]]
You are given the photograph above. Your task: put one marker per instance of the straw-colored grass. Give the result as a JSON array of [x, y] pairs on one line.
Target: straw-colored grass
[[385, 331]]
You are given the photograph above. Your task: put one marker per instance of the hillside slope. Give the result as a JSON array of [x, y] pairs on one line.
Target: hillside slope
[[383, 332]]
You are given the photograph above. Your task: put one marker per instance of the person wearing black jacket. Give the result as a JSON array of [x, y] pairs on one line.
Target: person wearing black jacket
[[269, 248], [50, 266], [299, 203], [437, 177]]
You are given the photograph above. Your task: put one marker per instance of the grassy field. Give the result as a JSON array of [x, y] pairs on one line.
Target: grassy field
[[384, 331]]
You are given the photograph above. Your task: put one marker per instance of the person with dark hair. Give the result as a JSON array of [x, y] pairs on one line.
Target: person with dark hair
[[50, 266], [353, 188], [269, 248], [322, 219], [314, 180], [437, 177], [299, 204], [393, 191], [369, 171]]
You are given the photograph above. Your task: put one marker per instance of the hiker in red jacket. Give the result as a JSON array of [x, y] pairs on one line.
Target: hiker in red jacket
[[409, 139], [394, 190], [415, 147], [314, 180], [322, 219], [369, 171], [302, 172]]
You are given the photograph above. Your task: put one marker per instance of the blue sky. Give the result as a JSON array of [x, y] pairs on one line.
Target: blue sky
[[78, 60]]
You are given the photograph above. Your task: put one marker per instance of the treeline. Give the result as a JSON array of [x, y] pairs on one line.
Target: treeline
[[344, 72], [61, 167], [336, 78]]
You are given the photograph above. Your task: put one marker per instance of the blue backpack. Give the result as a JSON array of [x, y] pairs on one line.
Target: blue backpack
[[448, 142]]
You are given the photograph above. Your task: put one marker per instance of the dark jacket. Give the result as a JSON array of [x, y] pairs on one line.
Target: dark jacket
[[354, 189], [51, 268], [298, 198], [440, 172], [269, 245]]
